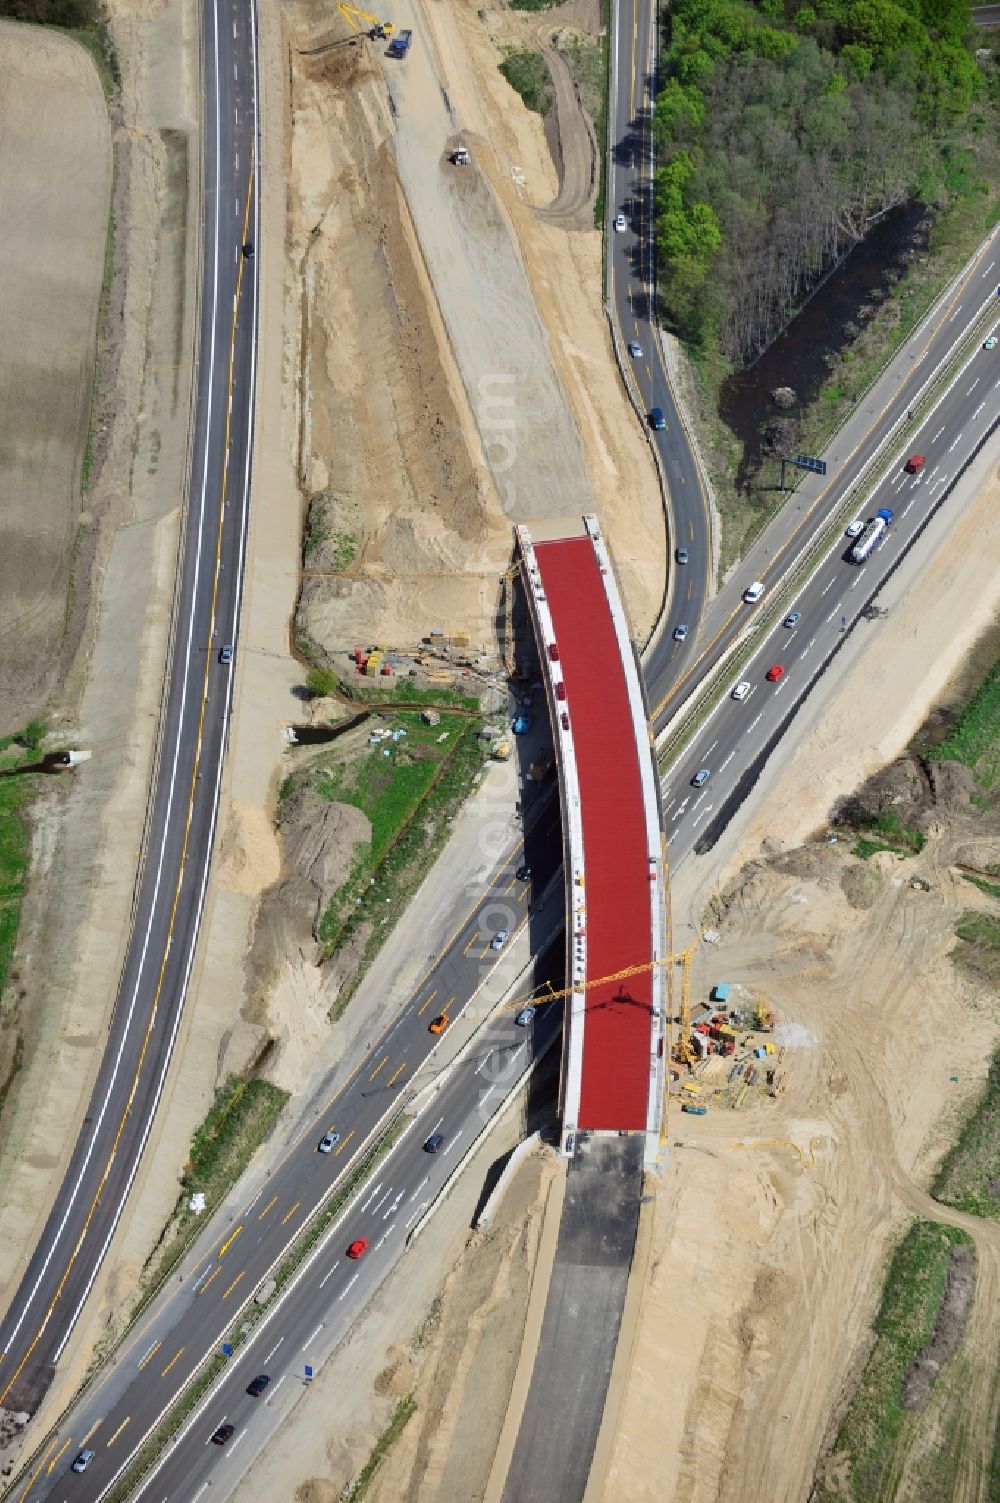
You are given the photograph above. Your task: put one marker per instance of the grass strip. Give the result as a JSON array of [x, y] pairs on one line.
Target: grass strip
[[876, 1429], [969, 1176], [979, 953], [243, 1115], [402, 1414], [974, 740], [990, 889]]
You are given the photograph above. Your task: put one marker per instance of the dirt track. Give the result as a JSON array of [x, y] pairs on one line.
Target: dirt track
[[55, 167]]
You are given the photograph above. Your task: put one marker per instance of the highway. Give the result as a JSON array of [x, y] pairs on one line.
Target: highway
[[170, 890], [193, 1320], [631, 274], [737, 738]]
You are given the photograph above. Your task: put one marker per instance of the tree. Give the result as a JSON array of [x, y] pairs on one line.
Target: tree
[[33, 734], [321, 682]]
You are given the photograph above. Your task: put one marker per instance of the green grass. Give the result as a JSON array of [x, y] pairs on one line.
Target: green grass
[[394, 691], [404, 1411], [888, 833], [975, 737], [528, 75], [410, 807], [991, 889], [242, 1116], [978, 955], [16, 792], [876, 1430], [969, 1177]]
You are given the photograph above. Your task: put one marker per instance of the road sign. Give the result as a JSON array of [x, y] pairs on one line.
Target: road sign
[[309, 1372], [808, 462], [227, 1348]]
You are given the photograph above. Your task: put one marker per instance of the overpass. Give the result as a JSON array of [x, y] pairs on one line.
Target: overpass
[[612, 1071]]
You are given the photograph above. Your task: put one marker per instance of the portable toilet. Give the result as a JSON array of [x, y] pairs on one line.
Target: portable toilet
[[720, 992]]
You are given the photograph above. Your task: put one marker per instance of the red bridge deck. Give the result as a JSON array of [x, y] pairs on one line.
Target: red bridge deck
[[616, 1035]]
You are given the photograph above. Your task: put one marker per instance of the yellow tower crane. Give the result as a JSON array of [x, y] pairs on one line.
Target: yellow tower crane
[[353, 15]]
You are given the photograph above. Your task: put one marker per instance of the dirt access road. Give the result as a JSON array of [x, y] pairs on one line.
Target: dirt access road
[[55, 178]]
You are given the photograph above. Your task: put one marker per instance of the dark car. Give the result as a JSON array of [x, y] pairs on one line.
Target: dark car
[[248, 250], [434, 1142], [656, 418], [256, 1388], [523, 873], [224, 1434]]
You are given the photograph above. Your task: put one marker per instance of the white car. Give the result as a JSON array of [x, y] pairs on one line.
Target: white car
[[853, 529], [499, 939], [621, 223], [742, 689]]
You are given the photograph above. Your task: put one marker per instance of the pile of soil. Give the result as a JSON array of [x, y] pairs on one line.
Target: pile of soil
[[916, 791]]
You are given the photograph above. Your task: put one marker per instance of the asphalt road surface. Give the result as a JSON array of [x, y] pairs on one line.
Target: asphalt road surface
[[194, 1320], [671, 678], [170, 891], [740, 735], [986, 16], [630, 254]]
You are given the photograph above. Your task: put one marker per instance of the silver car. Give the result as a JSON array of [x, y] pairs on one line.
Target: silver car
[[499, 939], [328, 1142], [701, 777]]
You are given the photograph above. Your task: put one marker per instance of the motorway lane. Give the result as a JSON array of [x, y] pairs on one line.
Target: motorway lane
[[738, 737], [632, 277], [170, 892], [204, 1311], [851, 454], [335, 1289]]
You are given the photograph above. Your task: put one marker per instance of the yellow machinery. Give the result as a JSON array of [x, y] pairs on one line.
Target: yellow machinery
[[684, 1051], [378, 31], [507, 585]]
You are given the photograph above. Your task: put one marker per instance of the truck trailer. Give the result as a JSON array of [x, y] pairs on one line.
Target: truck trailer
[[873, 531]]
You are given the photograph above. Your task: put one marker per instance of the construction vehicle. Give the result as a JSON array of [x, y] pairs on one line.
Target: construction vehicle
[[460, 157], [694, 1109], [379, 31], [501, 751], [400, 46]]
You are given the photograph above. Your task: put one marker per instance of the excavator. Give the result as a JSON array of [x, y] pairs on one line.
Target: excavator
[[379, 31]]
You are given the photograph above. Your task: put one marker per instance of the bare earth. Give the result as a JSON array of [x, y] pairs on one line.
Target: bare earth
[[55, 167]]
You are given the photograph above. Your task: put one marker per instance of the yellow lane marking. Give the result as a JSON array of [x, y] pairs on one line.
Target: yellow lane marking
[[522, 895], [241, 1275], [426, 1002], [343, 1143], [470, 943], [383, 1061], [511, 884], [92, 1431], [183, 852], [149, 1355], [121, 1427], [36, 1473], [175, 1358], [229, 1242], [287, 1217], [213, 1275], [61, 1452], [397, 1074], [267, 1208]]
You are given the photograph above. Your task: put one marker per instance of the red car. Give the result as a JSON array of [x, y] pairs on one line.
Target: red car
[[358, 1247], [773, 674], [914, 463]]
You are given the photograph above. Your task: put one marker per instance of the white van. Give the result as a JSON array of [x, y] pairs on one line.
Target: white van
[[753, 594]]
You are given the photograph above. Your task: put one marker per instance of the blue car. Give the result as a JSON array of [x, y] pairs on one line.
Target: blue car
[[522, 724], [656, 418]]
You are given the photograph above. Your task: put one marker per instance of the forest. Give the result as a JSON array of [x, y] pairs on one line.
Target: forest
[[784, 131]]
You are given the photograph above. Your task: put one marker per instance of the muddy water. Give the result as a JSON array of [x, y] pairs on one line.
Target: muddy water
[[801, 357]]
